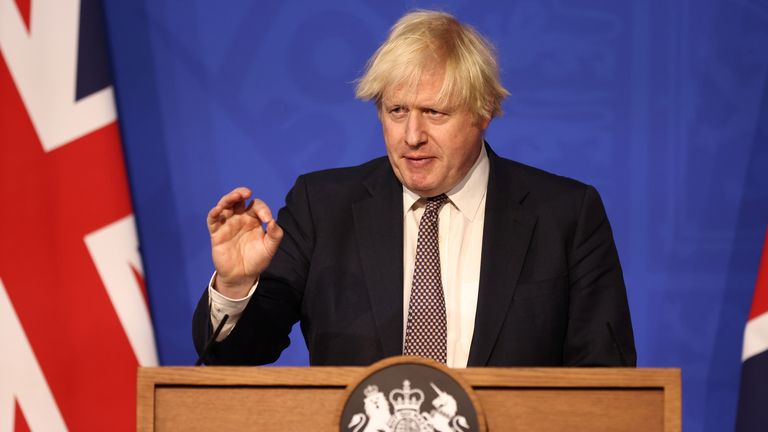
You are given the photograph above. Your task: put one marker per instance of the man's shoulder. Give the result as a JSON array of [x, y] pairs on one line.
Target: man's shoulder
[[555, 197], [348, 182], [357, 173], [537, 179]]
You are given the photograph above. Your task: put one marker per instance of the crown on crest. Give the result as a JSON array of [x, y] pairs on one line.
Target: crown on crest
[[371, 389], [405, 398]]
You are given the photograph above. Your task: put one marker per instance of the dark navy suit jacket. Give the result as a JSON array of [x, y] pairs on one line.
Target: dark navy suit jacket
[[551, 289]]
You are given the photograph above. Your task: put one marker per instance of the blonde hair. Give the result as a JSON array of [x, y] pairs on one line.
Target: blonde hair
[[423, 40]]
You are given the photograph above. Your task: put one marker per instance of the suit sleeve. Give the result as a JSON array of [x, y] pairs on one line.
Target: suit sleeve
[[263, 329], [599, 325]]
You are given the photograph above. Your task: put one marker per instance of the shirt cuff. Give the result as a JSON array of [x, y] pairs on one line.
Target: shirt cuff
[[221, 305]]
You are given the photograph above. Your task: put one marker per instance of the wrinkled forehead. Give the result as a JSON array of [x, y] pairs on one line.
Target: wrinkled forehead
[[420, 87]]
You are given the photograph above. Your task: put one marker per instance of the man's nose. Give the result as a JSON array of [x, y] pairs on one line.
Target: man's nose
[[415, 134]]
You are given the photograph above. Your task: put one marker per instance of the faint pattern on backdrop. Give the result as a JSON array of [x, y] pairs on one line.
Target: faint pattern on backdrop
[[657, 103]]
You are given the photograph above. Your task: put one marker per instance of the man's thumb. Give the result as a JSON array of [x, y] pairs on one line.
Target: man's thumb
[[273, 237]]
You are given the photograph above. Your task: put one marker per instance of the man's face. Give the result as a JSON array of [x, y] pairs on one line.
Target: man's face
[[431, 147]]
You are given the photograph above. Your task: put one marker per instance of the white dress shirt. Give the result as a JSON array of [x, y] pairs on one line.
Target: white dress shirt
[[460, 240]]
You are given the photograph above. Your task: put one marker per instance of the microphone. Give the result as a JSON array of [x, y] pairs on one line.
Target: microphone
[[616, 344], [211, 340]]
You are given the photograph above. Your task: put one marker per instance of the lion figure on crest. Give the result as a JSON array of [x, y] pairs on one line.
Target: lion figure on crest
[[377, 412]]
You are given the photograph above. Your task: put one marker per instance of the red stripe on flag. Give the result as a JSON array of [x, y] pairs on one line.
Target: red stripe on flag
[[140, 280], [50, 202], [24, 7], [760, 300], [19, 422]]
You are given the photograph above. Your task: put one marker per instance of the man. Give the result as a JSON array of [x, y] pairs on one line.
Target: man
[[443, 249]]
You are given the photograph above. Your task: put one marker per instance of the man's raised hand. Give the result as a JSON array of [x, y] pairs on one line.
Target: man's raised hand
[[240, 247]]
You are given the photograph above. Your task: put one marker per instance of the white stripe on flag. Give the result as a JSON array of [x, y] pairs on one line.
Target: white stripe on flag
[[755, 336], [114, 249], [21, 377], [43, 64]]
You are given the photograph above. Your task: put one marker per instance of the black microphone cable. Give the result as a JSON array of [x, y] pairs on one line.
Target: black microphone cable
[[211, 340]]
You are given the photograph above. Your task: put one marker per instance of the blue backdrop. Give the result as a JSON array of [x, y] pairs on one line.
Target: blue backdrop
[[661, 104]]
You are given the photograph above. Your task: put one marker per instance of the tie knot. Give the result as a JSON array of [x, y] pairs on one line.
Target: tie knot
[[434, 203]]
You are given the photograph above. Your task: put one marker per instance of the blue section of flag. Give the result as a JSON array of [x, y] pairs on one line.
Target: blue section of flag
[[92, 66], [752, 415]]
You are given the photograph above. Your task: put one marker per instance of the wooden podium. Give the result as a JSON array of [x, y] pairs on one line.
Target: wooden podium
[[310, 399]]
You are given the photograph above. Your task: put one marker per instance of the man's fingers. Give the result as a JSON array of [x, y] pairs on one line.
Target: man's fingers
[[219, 215], [259, 209], [273, 237], [214, 214], [234, 203], [238, 195], [230, 201]]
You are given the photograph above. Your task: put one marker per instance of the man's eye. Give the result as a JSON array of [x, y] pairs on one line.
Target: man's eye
[[397, 112], [433, 113]]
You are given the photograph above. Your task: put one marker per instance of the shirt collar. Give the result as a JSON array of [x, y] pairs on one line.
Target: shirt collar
[[467, 195]]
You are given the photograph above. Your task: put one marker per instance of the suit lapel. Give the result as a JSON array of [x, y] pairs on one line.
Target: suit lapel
[[378, 227], [507, 233]]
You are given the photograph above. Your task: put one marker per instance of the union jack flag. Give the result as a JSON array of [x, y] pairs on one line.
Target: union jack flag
[[752, 412], [74, 319]]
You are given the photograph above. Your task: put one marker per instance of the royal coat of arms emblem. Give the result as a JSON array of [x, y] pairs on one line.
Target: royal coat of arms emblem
[[401, 411]]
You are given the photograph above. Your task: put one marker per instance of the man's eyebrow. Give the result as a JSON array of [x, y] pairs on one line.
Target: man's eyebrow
[[435, 106], [430, 105], [391, 104]]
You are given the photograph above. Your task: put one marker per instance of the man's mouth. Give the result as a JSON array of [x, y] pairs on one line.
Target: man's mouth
[[418, 161]]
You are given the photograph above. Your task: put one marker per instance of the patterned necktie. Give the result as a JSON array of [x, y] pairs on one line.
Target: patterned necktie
[[425, 331]]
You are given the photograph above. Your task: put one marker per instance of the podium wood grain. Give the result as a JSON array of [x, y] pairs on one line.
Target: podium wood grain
[[310, 399]]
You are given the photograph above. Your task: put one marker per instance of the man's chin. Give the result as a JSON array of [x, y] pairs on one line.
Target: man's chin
[[423, 190], [421, 183]]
